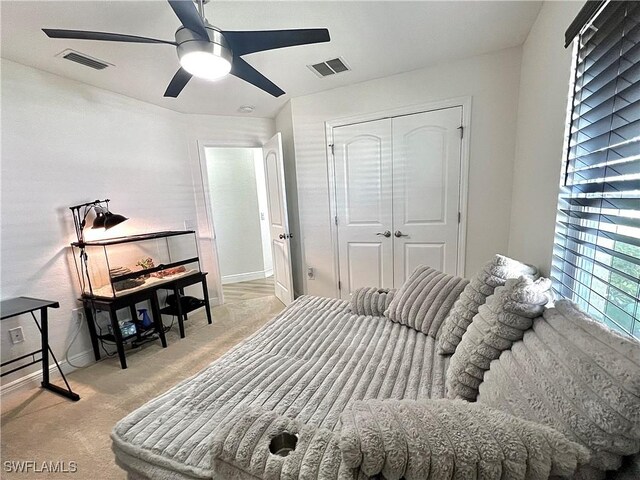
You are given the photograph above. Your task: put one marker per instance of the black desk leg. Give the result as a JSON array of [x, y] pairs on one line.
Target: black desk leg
[[178, 297], [88, 312], [117, 335], [157, 318], [44, 340], [44, 335], [205, 292]]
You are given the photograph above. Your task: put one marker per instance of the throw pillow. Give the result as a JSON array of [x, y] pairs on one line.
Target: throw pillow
[[576, 375], [507, 314], [425, 299], [371, 301], [494, 274]]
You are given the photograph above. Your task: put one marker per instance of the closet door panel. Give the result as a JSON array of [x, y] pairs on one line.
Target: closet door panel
[[426, 191], [363, 182]]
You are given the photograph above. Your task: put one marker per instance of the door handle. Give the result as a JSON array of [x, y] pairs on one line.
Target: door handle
[[399, 234], [283, 236], [386, 233]]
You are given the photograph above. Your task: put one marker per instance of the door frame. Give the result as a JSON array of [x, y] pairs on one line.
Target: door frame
[[464, 102], [202, 160]]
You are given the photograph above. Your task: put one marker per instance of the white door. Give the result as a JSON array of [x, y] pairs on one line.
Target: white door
[[278, 219], [363, 182], [426, 191]]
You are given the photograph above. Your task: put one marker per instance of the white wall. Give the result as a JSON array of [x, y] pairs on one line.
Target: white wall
[[491, 80], [542, 107], [236, 212], [64, 142]]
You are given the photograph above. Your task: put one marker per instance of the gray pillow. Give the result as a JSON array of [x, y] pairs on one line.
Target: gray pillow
[[502, 320], [494, 274], [573, 374], [371, 301], [425, 299], [438, 439]]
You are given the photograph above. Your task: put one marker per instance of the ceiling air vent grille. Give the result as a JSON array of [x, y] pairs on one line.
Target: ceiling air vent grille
[[329, 67], [84, 59]]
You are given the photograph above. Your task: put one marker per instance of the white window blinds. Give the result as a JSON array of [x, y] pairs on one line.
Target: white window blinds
[[596, 260]]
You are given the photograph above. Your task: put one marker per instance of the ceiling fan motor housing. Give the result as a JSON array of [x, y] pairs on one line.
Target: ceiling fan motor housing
[[190, 42]]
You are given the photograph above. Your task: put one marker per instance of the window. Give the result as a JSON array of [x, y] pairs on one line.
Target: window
[[596, 258]]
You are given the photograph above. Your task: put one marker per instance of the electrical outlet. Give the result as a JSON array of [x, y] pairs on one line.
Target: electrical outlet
[[78, 314], [17, 335], [311, 275]]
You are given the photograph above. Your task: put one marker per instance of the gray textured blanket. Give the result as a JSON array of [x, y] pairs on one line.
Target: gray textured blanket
[[308, 364]]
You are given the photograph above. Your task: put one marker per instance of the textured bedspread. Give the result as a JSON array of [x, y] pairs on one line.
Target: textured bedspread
[[307, 364]]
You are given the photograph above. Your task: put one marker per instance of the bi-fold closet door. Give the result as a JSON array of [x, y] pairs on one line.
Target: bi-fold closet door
[[397, 187]]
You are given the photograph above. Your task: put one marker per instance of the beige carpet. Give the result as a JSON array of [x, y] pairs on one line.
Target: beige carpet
[[41, 426]]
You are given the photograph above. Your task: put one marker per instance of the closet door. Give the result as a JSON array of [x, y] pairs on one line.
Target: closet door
[[426, 191], [363, 181]]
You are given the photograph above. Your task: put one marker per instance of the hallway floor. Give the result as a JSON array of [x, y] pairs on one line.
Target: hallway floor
[[240, 291]]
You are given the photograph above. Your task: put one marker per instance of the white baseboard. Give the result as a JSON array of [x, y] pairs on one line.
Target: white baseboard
[[245, 277], [34, 379]]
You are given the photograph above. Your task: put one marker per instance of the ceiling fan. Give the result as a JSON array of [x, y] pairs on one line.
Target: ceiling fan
[[207, 52]]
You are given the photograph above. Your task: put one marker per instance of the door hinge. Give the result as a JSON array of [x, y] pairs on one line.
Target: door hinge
[[332, 147], [339, 285], [459, 216], [461, 128], [335, 219]]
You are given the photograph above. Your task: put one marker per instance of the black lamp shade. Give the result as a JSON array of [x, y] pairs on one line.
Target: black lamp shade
[[112, 219], [98, 222]]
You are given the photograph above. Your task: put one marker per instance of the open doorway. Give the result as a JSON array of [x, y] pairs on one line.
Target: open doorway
[[240, 215]]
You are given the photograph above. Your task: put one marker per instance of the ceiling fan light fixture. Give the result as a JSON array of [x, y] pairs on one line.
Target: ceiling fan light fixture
[[206, 65], [209, 60]]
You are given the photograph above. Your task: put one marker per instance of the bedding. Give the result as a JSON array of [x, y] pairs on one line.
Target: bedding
[[308, 365], [442, 439], [494, 274], [507, 314], [424, 300], [573, 374], [371, 301]]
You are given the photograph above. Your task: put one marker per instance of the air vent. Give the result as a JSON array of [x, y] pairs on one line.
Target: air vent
[[84, 59], [329, 67]]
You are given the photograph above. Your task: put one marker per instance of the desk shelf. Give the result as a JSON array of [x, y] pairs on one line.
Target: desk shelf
[[173, 309]]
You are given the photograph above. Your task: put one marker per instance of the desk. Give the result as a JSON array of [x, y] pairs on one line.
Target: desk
[[19, 306]]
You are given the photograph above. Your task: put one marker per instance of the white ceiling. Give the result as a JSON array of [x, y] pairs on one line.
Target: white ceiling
[[376, 39]]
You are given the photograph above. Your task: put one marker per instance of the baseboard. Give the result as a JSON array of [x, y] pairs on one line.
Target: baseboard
[[34, 379], [245, 277]]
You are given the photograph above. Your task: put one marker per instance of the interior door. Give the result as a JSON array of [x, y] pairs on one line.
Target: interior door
[[363, 182], [278, 219], [426, 189]]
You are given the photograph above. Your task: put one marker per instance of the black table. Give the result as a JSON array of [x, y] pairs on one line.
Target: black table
[[112, 305], [19, 306], [178, 287]]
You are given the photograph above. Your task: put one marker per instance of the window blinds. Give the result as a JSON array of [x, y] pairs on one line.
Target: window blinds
[[596, 258]]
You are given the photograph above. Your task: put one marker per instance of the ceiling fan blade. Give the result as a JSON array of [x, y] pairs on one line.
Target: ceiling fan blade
[[188, 15], [246, 72], [178, 82], [109, 37], [242, 43]]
